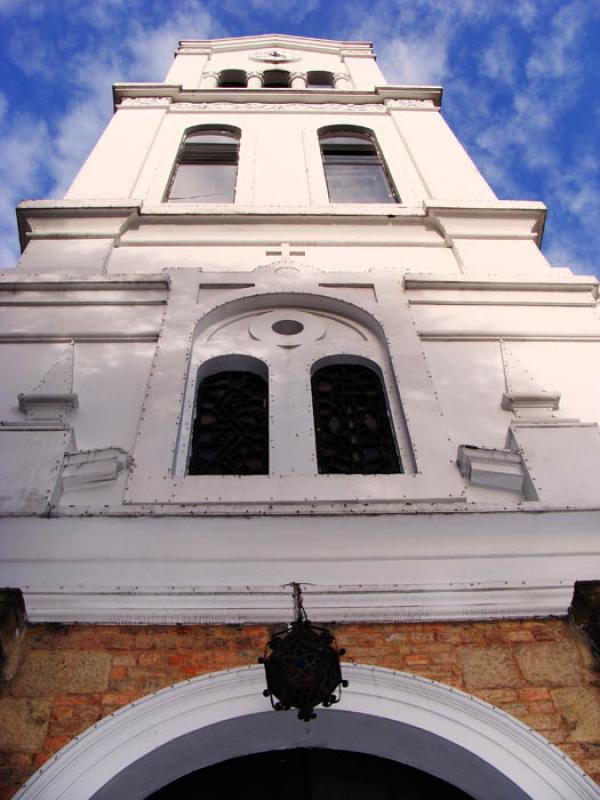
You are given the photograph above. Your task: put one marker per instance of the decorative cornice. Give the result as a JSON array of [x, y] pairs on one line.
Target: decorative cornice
[[233, 605], [410, 103], [153, 102], [161, 102], [241, 107], [425, 97]]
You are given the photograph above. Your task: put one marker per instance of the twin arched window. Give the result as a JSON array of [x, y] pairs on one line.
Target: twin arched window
[[206, 166], [353, 432]]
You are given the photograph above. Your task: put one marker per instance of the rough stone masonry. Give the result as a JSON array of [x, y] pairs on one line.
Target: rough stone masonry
[[69, 677]]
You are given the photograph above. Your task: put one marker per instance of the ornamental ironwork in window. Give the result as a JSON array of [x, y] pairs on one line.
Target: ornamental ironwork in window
[[352, 425], [206, 168], [231, 428], [355, 172]]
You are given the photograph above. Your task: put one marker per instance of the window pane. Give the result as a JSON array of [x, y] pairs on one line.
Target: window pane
[[211, 153], [352, 427], [211, 137], [231, 427], [205, 183], [357, 183], [329, 140]]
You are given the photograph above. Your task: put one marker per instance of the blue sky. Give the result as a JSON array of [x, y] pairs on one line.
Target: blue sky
[[520, 83]]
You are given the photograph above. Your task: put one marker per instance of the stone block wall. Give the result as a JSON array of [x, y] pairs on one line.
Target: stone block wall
[[69, 677]]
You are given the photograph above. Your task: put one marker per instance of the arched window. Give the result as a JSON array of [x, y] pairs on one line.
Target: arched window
[[230, 432], [206, 167], [352, 426], [319, 79], [276, 78], [233, 79], [354, 169]]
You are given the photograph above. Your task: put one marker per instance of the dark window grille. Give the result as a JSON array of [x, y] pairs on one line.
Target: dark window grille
[[354, 169], [233, 79], [206, 168], [319, 79], [276, 79], [352, 425], [230, 434]]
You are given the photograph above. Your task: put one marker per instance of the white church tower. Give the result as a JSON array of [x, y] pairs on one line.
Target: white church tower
[[280, 330]]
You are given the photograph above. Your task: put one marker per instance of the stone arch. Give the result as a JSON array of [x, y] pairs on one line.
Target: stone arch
[[399, 716]]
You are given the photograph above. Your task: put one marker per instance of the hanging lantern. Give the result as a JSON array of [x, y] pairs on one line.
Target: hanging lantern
[[303, 667]]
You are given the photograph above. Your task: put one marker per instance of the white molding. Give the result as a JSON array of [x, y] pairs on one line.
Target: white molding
[[506, 335], [404, 717], [47, 406], [163, 93], [136, 605], [493, 283], [143, 568], [76, 336], [543, 401]]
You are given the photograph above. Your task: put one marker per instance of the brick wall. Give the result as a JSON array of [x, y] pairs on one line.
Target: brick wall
[[69, 677]]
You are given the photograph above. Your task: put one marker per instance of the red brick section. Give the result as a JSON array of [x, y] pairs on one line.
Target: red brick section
[[69, 677]]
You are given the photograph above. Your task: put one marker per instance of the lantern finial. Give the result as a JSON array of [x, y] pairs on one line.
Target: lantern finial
[[303, 667]]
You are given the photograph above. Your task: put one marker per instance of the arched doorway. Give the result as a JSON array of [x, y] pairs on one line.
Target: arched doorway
[[309, 774], [397, 716]]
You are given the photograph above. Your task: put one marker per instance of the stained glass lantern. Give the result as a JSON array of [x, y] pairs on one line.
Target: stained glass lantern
[[303, 666]]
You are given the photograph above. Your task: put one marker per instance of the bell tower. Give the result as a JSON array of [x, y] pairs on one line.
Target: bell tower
[[280, 331]]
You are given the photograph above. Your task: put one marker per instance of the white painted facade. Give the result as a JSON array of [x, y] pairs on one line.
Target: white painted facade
[[487, 354]]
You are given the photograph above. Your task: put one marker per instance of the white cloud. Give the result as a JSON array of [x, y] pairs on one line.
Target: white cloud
[[22, 172], [556, 55], [32, 9], [143, 54], [512, 73], [150, 51], [498, 61], [42, 158], [295, 10], [415, 61], [526, 12]]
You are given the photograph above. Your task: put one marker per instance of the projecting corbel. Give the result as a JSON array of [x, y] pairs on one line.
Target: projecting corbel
[[53, 397], [523, 394], [491, 467]]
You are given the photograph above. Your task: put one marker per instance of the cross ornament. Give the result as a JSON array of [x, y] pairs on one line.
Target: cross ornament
[[285, 251]]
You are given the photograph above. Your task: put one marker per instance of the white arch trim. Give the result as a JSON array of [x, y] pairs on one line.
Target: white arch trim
[[218, 716]]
